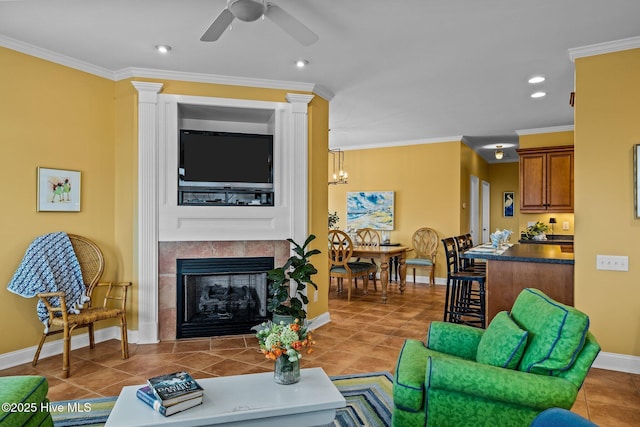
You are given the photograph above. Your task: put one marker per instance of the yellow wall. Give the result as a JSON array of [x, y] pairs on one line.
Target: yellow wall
[[426, 182], [607, 126], [505, 177], [551, 139], [471, 164], [55, 116]]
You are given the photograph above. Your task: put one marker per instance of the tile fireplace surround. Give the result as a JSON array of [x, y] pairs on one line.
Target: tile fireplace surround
[[169, 252]]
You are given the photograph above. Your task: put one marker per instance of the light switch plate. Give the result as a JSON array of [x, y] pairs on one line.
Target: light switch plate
[[612, 262], [565, 225]]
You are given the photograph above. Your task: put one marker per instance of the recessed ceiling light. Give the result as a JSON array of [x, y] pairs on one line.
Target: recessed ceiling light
[[301, 63], [538, 94], [163, 48], [536, 79]]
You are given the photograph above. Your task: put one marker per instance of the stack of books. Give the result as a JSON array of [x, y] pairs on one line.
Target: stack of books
[[171, 393]]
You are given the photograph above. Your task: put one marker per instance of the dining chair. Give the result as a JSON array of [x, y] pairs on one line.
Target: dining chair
[[340, 252], [113, 305], [369, 237], [425, 245]]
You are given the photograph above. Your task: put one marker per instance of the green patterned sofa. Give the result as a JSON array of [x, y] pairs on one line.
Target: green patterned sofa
[[24, 401], [533, 358]]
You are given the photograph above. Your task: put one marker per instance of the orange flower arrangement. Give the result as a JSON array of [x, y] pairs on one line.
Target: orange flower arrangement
[[277, 340]]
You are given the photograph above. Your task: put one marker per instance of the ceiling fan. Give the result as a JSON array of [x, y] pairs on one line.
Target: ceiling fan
[[251, 10]]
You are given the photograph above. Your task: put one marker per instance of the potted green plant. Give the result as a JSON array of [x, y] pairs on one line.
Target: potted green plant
[[333, 220], [536, 231], [283, 302]]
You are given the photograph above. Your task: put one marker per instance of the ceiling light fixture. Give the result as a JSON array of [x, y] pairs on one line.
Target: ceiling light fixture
[[536, 79], [301, 63], [499, 153], [538, 94], [339, 175], [163, 48]]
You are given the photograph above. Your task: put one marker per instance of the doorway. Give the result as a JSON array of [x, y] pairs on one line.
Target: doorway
[[486, 211]]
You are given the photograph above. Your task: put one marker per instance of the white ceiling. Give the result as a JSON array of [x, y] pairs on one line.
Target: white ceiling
[[399, 71]]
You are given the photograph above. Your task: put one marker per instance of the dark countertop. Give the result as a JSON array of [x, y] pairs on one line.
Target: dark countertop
[[549, 254], [553, 239]]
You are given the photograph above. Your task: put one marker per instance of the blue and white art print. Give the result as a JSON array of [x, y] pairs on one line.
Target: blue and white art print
[[370, 209]]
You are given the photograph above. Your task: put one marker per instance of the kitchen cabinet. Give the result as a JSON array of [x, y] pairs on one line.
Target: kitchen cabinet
[[546, 179]]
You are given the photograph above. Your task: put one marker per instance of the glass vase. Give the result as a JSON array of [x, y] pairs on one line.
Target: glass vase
[[286, 372]]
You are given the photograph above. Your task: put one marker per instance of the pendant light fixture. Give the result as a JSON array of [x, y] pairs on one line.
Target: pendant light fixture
[[499, 153], [339, 175]]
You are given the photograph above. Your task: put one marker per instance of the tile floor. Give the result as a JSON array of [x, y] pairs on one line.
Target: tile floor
[[364, 336]]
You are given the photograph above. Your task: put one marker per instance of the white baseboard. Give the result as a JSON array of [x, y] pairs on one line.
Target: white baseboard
[[618, 362], [54, 347], [318, 321]]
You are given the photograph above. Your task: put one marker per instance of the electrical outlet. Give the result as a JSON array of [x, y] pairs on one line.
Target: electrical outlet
[[315, 296], [565, 225], [612, 262]]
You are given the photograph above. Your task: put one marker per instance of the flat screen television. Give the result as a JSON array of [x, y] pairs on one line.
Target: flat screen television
[[225, 160]]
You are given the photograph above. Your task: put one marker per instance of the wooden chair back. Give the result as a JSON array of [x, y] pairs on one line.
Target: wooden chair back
[[340, 248], [425, 243], [368, 237]]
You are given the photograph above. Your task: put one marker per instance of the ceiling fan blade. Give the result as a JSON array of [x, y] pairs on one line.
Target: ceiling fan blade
[[216, 29], [291, 25]]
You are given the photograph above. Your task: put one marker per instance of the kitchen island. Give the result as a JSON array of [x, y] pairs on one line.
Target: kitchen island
[[545, 267]]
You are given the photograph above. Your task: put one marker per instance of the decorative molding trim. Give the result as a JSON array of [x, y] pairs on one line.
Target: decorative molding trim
[[323, 92], [53, 348], [602, 48], [51, 56], [565, 128], [618, 362], [299, 178], [147, 210], [402, 143], [132, 72]]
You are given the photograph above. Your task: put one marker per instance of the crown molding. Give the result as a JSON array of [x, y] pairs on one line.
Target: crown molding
[[132, 72], [602, 48], [323, 92], [57, 58], [403, 143], [566, 128]]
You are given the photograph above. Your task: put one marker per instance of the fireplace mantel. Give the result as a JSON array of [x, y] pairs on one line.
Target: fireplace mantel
[[157, 121]]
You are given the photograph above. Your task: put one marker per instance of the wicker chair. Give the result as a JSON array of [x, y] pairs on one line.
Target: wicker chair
[[340, 252], [113, 306], [425, 245]]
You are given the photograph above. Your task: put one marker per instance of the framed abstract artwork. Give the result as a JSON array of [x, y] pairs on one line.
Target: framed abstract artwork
[[508, 198], [370, 209], [58, 190]]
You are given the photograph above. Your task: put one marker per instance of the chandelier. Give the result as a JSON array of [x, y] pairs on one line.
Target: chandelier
[[499, 153], [339, 175]]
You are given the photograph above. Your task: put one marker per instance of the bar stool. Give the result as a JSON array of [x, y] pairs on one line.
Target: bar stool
[[461, 304]]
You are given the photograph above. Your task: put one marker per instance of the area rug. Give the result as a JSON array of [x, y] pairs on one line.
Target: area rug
[[368, 396]]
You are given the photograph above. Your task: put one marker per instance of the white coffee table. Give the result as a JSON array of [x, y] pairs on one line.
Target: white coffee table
[[242, 400]]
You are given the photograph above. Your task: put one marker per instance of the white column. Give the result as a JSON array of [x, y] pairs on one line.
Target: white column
[[300, 167], [147, 211]]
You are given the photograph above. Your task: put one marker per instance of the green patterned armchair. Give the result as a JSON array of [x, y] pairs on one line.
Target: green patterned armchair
[[533, 358]]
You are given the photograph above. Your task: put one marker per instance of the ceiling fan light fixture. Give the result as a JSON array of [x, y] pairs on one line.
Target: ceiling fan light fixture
[[247, 10], [499, 153]]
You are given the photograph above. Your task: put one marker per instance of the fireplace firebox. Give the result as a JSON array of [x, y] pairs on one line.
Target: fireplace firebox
[[221, 296]]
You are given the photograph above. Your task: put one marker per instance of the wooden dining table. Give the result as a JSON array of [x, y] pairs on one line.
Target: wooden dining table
[[384, 254]]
